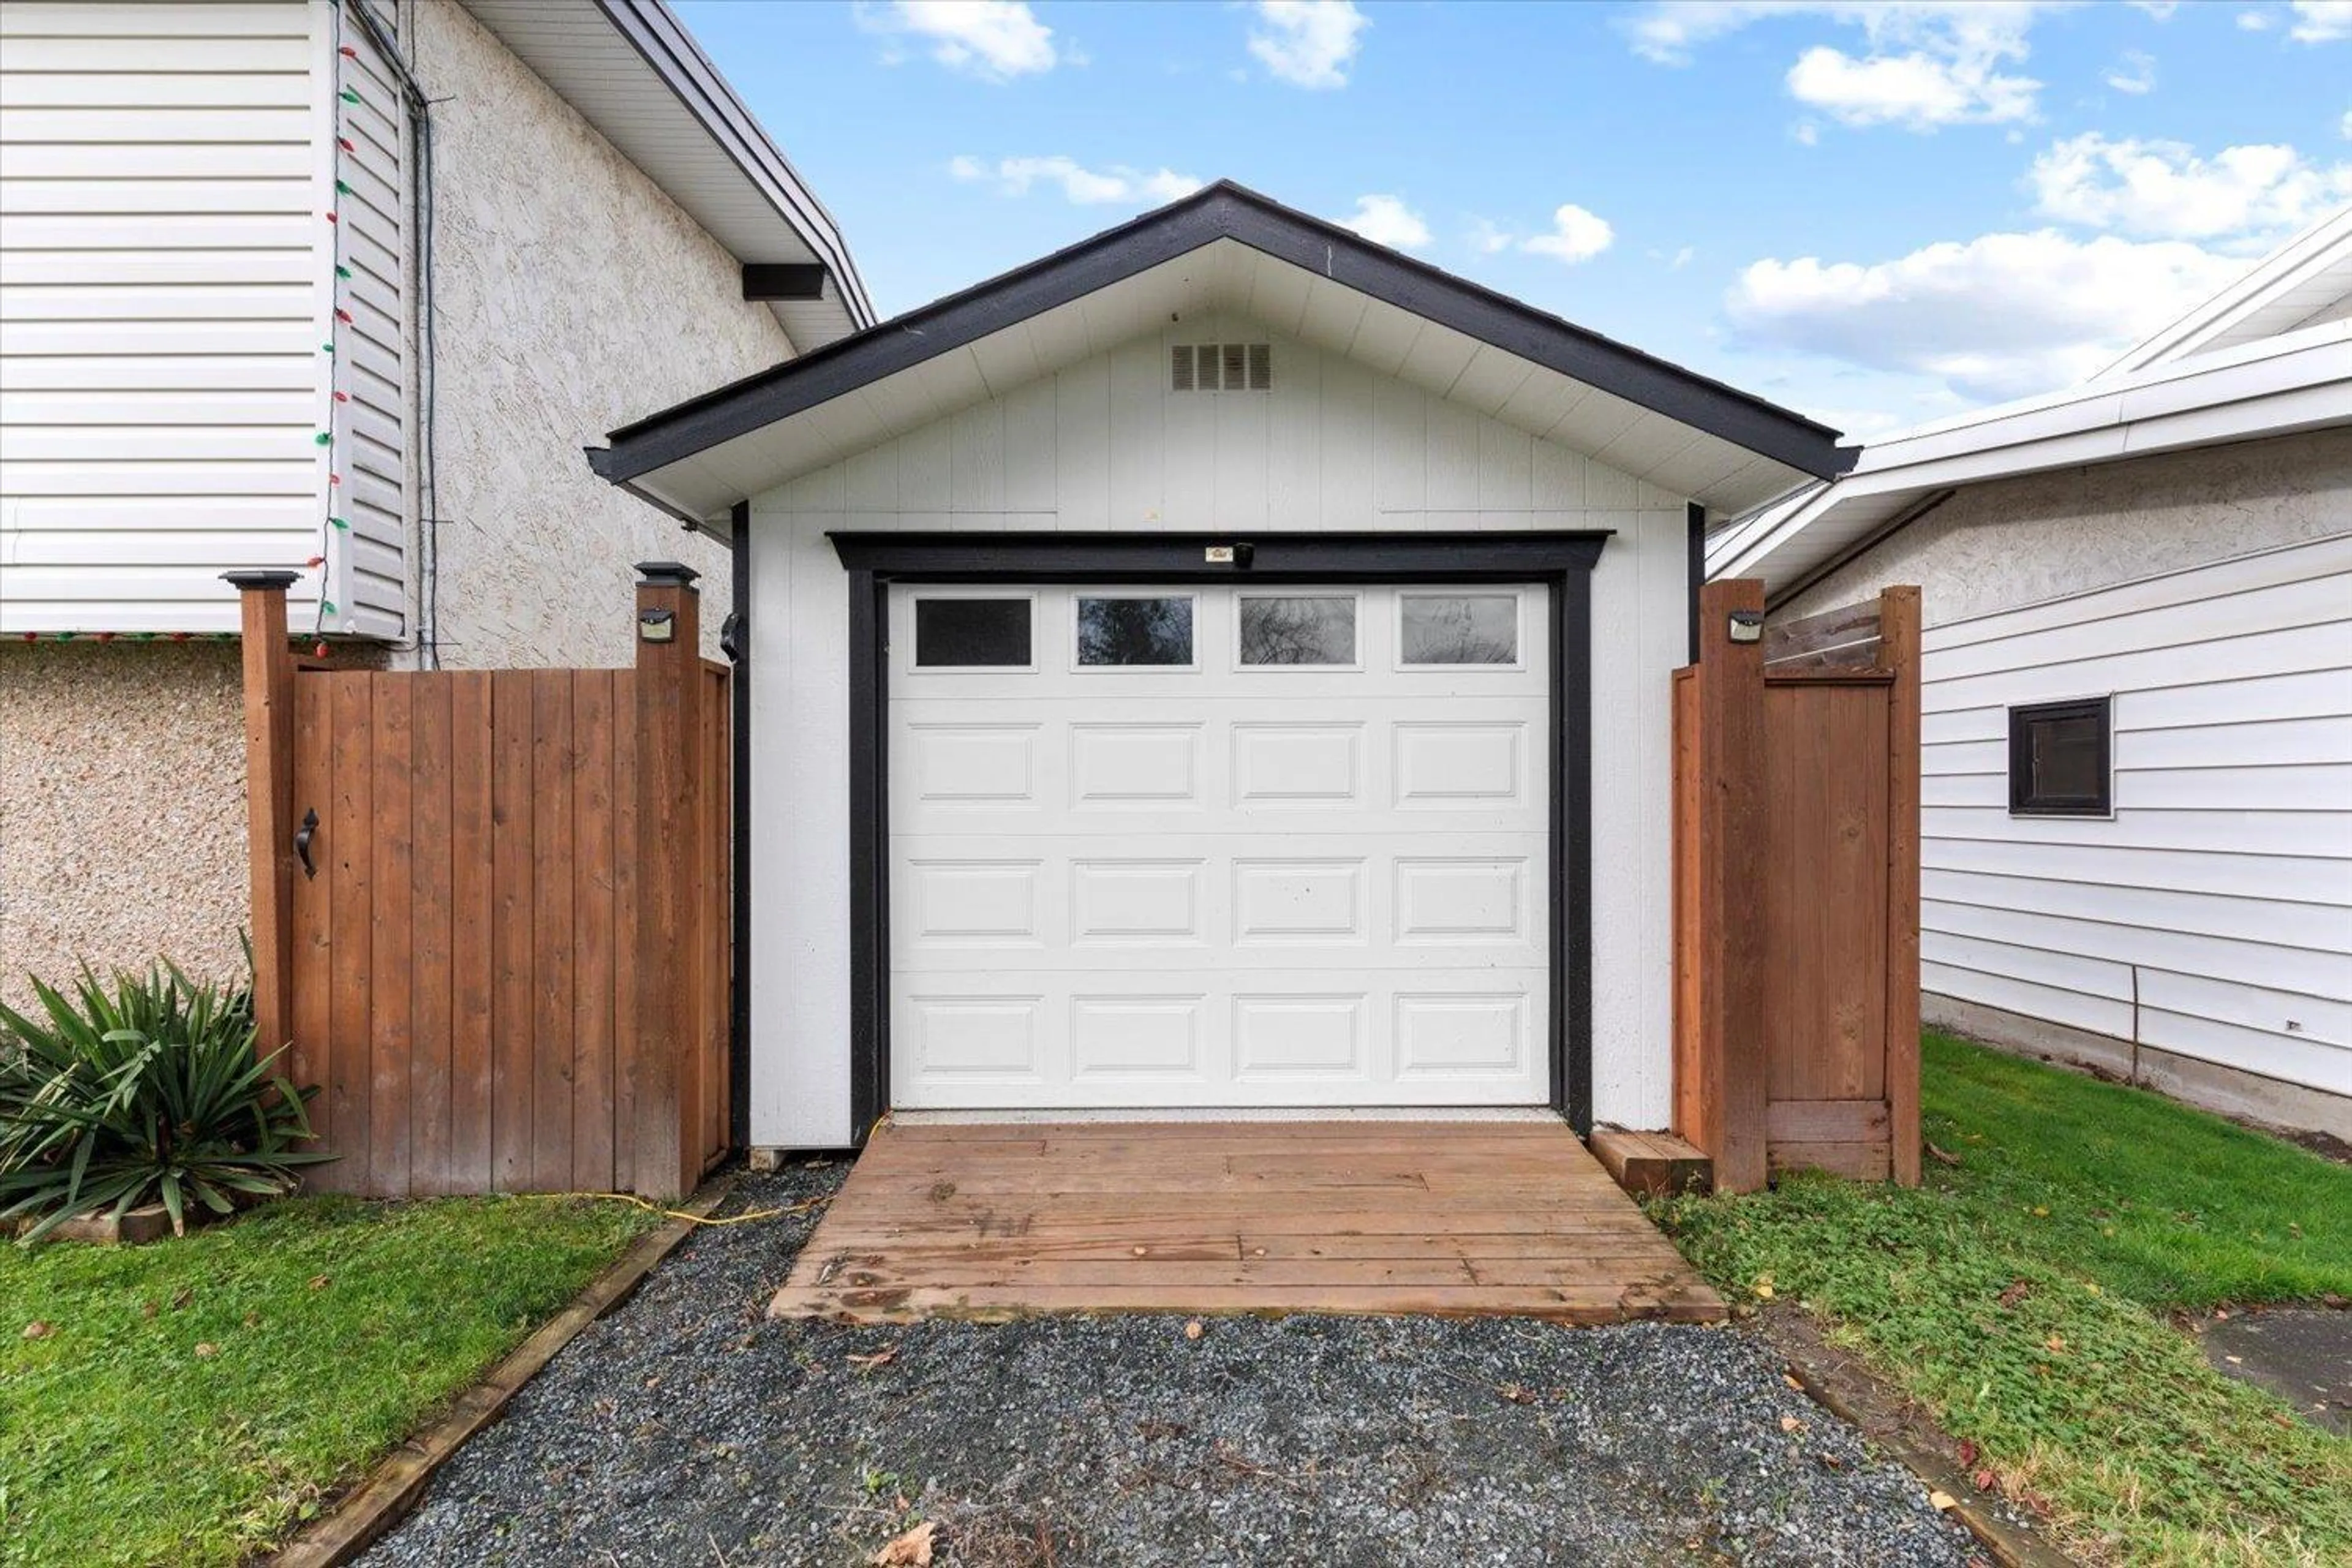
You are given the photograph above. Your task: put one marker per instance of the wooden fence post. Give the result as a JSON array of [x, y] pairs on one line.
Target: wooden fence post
[[269, 797], [1732, 945], [1898, 650], [669, 875]]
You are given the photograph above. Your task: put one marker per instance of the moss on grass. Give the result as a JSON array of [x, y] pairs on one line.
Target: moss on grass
[[194, 1399], [2025, 1296]]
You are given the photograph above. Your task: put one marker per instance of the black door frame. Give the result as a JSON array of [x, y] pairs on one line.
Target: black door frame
[[1560, 561]]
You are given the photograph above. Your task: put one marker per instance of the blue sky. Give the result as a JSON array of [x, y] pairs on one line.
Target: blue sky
[[1878, 213]]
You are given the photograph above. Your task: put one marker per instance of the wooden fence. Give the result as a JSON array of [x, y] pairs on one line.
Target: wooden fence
[[496, 925], [1797, 890]]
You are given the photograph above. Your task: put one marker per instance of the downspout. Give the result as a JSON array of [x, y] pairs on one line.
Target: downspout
[[735, 642], [1695, 547]]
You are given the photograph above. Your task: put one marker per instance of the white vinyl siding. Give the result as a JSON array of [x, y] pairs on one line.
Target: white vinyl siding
[[1105, 445], [2212, 915], [367, 579], [164, 289]]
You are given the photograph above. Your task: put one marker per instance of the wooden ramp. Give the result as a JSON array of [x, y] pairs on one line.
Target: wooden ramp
[[1455, 1218]]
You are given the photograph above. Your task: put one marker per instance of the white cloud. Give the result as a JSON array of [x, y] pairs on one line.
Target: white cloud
[[2253, 22], [1807, 133], [995, 40], [1915, 90], [2000, 316], [2163, 190], [2321, 21], [2343, 126], [1308, 43], [1576, 236], [2136, 74], [1930, 62], [2162, 10], [1386, 220], [1085, 186], [1487, 239]]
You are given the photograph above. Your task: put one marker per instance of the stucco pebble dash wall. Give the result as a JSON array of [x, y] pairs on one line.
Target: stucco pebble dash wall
[[122, 809]]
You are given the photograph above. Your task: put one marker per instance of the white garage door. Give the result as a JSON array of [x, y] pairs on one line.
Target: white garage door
[[1218, 846]]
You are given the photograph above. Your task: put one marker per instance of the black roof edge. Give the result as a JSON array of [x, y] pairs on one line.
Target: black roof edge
[[664, 43], [1223, 211]]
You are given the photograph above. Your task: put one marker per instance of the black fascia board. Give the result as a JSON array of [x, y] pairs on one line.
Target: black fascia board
[[1221, 211]]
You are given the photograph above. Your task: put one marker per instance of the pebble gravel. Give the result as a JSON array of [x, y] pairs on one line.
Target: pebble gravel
[[686, 1429]]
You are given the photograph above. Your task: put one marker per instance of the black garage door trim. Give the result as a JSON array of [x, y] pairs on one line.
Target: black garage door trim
[[1561, 562]]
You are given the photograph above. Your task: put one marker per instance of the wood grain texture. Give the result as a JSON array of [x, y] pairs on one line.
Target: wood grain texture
[[1450, 1219], [1899, 621]]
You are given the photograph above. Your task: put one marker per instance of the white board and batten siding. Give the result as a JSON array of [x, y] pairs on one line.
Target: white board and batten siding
[[2211, 915], [1106, 445], [166, 282]]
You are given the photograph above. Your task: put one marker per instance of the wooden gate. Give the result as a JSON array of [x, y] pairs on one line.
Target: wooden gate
[[1797, 890], [497, 881]]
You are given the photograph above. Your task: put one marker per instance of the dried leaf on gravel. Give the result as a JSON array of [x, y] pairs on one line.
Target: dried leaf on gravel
[[1790, 1423], [1514, 1393], [1942, 1501], [912, 1549], [882, 1357], [1193, 1330]]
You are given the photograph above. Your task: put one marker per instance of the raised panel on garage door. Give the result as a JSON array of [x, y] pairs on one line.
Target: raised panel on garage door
[[1218, 846]]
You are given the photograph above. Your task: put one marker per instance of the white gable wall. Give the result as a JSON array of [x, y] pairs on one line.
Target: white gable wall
[[1105, 445]]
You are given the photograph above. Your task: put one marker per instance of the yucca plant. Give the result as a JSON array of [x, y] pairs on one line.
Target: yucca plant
[[147, 1089]]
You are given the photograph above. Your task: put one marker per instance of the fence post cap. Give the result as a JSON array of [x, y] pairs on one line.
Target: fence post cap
[[261, 577], [668, 573]]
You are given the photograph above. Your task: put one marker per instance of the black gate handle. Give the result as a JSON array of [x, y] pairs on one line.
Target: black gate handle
[[302, 841]]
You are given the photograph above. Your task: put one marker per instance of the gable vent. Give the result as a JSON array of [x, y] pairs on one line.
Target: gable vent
[[1221, 367]]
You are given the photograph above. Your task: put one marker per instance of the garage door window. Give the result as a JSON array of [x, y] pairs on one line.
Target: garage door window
[[972, 634], [1458, 628], [1128, 631], [1294, 629]]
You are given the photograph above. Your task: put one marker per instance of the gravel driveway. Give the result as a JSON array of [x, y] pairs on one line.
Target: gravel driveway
[[686, 1428]]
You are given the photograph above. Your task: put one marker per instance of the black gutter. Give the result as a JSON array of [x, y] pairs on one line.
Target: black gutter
[[664, 45], [1693, 567], [1221, 211]]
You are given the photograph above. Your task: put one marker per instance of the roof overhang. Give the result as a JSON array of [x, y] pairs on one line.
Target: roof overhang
[[2305, 281], [2275, 387], [634, 72], [1224, 248]]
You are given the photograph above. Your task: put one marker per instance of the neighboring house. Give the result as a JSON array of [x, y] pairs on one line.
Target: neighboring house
[[2137, 800], [1221, 665], [354, 282]]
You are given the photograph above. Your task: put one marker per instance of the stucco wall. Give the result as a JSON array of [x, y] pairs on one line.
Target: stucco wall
[[2018, 542], [569, 296], [121, 808]]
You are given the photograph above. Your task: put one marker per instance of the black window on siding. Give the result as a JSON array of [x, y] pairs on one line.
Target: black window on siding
[[2058, 757], [962, 634]]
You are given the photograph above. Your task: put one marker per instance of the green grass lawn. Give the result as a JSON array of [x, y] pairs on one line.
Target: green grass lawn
[[2025, 1296], [197, 1398]]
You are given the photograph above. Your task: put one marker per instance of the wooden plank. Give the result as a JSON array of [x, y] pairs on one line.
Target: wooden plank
[[1823, 894], [1899, 615], [351, 854], [1651, 1165], [1862, 1161], [512, 1008], [392, 986], [555, 772], [472, 914], [1828, 1121], [591, 902], [1609, 1303], [1846, 627], [1735, 952], [269, 683], [626, 894], [668, 1154], [313, 921], [431, 975]]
